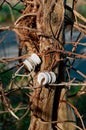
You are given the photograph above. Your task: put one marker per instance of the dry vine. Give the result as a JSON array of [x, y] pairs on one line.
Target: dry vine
[[33, 36]]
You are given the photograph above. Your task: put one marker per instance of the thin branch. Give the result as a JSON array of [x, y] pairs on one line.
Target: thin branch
[[23, 16], [68, 84], [79, 16], [41, 54], [68, 53], [76, 112]]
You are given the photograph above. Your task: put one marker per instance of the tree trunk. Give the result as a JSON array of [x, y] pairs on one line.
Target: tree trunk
[[44, 18], [45, 100]]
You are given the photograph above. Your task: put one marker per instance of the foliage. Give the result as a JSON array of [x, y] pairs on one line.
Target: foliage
[[82, 10], [18, 98], [6, 13]]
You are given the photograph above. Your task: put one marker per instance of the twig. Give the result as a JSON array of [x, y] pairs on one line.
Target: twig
[[76, 112], [24, 15], [80, 28], [52, 51], [59, 122], [13, 114], [79, 16], [71, 123], [68, 84], [14, 110], [67, 52], [6, 103]]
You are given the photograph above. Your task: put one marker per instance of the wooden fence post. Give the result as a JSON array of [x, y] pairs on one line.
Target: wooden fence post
[[45, 99], [42, 34]]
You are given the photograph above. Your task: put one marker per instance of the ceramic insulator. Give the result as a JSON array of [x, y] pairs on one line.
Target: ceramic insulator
[[32, 62], [53, 77], [46, 78], [35, 58]]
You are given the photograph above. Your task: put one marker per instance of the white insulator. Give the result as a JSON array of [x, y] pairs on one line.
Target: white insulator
[[36, 59], [42, 78], [53, 77], [49, 77], [28, 65], [46, 78], [32, 62]]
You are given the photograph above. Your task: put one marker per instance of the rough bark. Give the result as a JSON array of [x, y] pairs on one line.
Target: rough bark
[[44, 19], [45, 100]]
